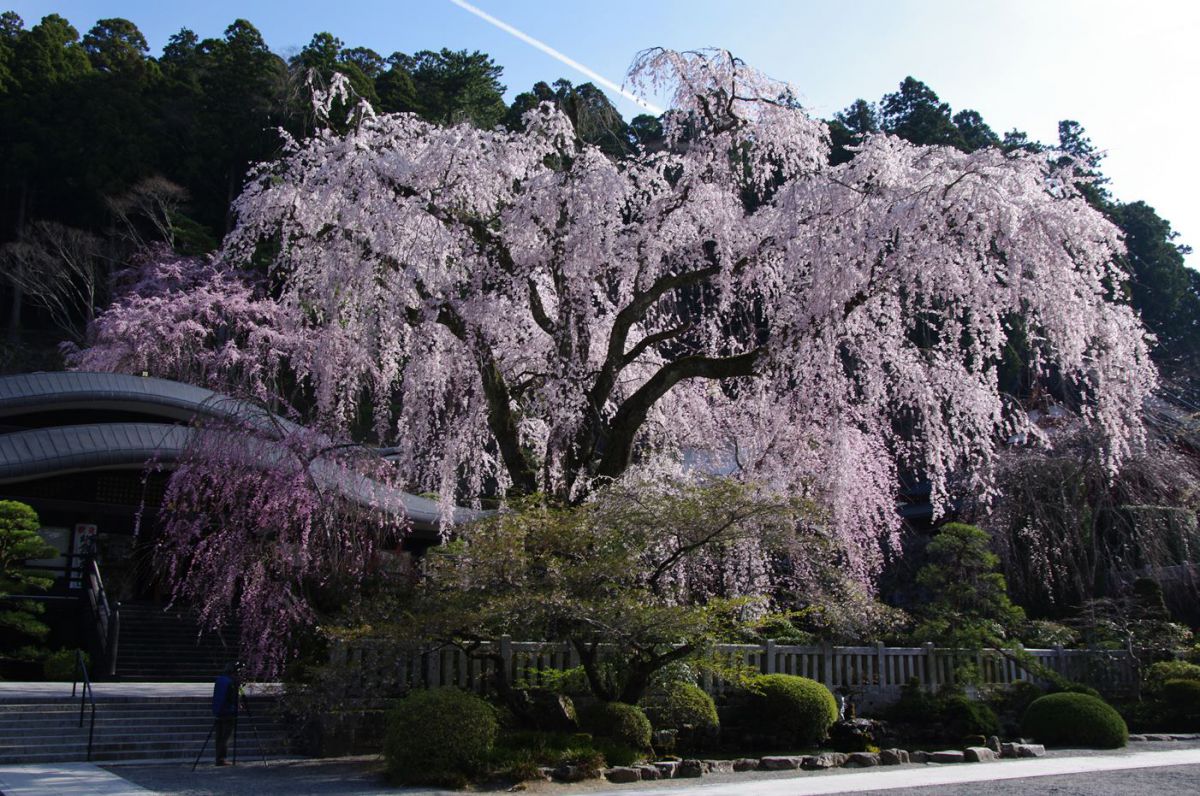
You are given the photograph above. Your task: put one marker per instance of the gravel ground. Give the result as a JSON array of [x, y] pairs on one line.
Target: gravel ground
[[363, 776]]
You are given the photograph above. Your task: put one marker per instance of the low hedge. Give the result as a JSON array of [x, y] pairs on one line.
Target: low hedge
[[794, 710], [439, 737], [679, 705], [626, 724], [1081, 720]]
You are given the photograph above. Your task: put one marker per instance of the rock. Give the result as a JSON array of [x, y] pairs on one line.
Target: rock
[[946, 756], [665, 739], [1184, 737], [568, 773], [717, 766], [855, 735], [649, 773], [1008, 749], [779, 763], [690, 768], [919, 756], [546, 773], [623, 774], [667, 768], [978, 754], [994, 744], [746, 764], [893, 757], [974, 740], [1030, 750], [548, 711], [1158, 737], [862, 760], [1137, 738]]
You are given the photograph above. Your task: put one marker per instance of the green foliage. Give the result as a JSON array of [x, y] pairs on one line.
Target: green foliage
[[625, 724], [1078, 720], [961, 716], [59, 666], [518, 755], [1157, 675], [604, 577], [678, 705], [1182, 699], [795, 710], [949, 714], [20, 542], [439, 737], [967, 603]]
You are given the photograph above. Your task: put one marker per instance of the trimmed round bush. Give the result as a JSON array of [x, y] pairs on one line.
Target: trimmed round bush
[[793, 709], [626, 724], [679, 705], [1066, 719], [1158, 674], [439, 737]]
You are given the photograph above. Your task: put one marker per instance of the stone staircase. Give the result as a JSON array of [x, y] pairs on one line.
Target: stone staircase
[[168, 646], [131, 728]]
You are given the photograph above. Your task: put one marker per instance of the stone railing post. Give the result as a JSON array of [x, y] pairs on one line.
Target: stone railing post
[[768, 666]]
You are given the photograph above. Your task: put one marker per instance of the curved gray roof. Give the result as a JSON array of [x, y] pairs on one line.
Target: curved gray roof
[[43, 452], [38, 453], [31, 392]]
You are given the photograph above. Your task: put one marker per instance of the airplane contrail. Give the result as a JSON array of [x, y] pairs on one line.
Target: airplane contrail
[[553, 53]]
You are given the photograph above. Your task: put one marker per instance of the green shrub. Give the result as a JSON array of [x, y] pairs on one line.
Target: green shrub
[[794, 709], [1067, 719], [1158, 674], [626, 724], [1072, 687], [439, 737], [59, 666], [1181, 703], [679, 705], [961, 716]]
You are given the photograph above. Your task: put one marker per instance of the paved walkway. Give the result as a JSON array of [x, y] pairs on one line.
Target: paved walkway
[[858, 781], [361, 776], [64, 779], [19, 692]]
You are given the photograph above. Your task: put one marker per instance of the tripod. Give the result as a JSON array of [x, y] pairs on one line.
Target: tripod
[[241, 705]]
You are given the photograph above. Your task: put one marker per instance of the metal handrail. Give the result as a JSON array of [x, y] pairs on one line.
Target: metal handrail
[[85, 694], [105, 617]]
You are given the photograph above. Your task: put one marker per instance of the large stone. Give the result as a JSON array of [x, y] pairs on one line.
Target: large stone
[[1158, 737], [822, 761], [546, 710], [623, 774], [862, 760], [746, 764], [994, 744], [779, 763], [650, 773], [1030, 750], [919, 756], [717, 766], [1137, 738], [667, 768], [690, 769], [1008, 749], [893, 757], [946, 756], [978, 754], [568, 773]]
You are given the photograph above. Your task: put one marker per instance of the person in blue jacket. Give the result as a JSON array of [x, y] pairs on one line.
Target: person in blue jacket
[[225, 708]]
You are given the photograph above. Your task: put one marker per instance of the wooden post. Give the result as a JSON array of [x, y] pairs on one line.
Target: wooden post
[[930, 680], [506, 657], [880, 666], [769, 657]]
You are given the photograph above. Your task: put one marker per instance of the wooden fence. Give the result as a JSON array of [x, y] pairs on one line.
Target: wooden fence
[[871, 674]]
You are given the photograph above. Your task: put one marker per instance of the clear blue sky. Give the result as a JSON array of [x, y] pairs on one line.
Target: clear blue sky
[[1127, 71]]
